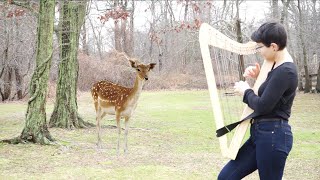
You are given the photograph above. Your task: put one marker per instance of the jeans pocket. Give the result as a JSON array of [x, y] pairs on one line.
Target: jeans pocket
[[288, 141], [284, 141]]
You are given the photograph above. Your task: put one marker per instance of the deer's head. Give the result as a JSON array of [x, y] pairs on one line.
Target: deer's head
[[142, 69]]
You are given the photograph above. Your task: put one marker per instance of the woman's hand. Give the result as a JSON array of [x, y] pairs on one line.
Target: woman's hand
[[252, 71], [241, 86]]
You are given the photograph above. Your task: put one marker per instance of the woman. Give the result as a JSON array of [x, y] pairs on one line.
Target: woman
[[270, 138]]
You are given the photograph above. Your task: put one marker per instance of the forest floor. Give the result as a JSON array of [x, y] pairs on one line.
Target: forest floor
[[171, 136]]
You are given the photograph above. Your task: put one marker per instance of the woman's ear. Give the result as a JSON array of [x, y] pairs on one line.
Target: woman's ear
[[274, 46]]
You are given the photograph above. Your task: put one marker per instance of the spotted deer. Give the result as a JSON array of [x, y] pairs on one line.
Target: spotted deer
[[114, 99]]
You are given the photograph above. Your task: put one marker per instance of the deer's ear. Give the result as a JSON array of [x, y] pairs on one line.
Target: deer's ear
[[133, 63], [152, 65]]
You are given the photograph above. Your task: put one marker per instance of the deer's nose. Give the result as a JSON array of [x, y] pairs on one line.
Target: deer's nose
[[146, 78]]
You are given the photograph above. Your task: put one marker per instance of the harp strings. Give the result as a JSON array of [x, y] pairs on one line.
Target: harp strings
[[226, 70], [222, 70]]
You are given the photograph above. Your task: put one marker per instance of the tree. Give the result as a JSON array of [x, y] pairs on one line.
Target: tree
[[284, 12], [275, 9], [65, 113], [36, 129], [240, 40], [17, 47], [307, 87], [316, 21]]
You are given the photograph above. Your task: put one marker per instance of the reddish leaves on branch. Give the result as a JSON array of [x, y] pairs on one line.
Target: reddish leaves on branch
[[116, 14], [189, 26], [155, 37], [16, 13]]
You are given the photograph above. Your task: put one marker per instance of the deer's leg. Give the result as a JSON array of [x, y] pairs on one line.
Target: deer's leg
[[126, 134], [100, 115], [119, 130]]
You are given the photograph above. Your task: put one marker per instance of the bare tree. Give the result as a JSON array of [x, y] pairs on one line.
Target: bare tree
[[275, 9], [239, 39], [17, 49], [307, 87], [284, 12]]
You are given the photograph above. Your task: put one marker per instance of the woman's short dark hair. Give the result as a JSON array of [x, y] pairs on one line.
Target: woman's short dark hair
[[271, 32]]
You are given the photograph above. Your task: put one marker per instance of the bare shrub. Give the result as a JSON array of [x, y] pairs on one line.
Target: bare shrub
[[115, 68], [112, 68]]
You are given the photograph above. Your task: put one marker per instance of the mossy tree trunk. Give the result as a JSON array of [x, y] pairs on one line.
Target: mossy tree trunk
[[65, 113], [36, 129]]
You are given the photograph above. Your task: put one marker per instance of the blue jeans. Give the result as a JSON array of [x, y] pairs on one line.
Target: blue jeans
[[266, 150]]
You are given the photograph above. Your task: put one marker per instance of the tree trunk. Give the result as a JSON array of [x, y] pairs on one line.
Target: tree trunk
[[36, 129], [275, 9], [307, 87], [117, 42], [123, 35], [97, 40], [85, 47], [318, 80], [315, 20], [7, 76], [65, 113], [165, 35], [152, 30], [284, 12], [18, 83], [130, 45], [124, 32], [184, 59], [6, 73], [240, 40]]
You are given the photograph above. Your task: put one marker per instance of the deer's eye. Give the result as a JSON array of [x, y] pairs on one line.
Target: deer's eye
[[138, 69]]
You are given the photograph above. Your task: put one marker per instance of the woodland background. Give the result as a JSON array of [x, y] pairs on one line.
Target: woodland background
[[168, 35], [52, 51]]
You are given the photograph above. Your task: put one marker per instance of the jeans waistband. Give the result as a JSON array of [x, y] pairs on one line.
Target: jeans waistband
[[252, 121]]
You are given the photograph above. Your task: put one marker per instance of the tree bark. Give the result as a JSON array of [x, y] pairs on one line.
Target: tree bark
[[65, 113], [97, 40], [275, 9], [6, 73], [307, 87], [130, 44], [117, 40], [7, 76], [184, 59], [240, 40], [18, 83], [284, 12], [85, 47], [152, 30], [316, 21]]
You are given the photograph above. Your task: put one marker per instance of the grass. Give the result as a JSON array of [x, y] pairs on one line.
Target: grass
[[171, 136]]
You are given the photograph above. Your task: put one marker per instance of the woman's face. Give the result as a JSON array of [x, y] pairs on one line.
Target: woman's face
[[267, 53]]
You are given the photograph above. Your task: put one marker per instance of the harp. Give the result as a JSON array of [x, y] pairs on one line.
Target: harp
[[209, 36]]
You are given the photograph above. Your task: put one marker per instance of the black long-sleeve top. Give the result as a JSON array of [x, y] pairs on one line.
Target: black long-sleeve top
[[276, 94]]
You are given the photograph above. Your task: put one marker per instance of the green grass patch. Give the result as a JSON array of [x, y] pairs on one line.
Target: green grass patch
[[171, 136]]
